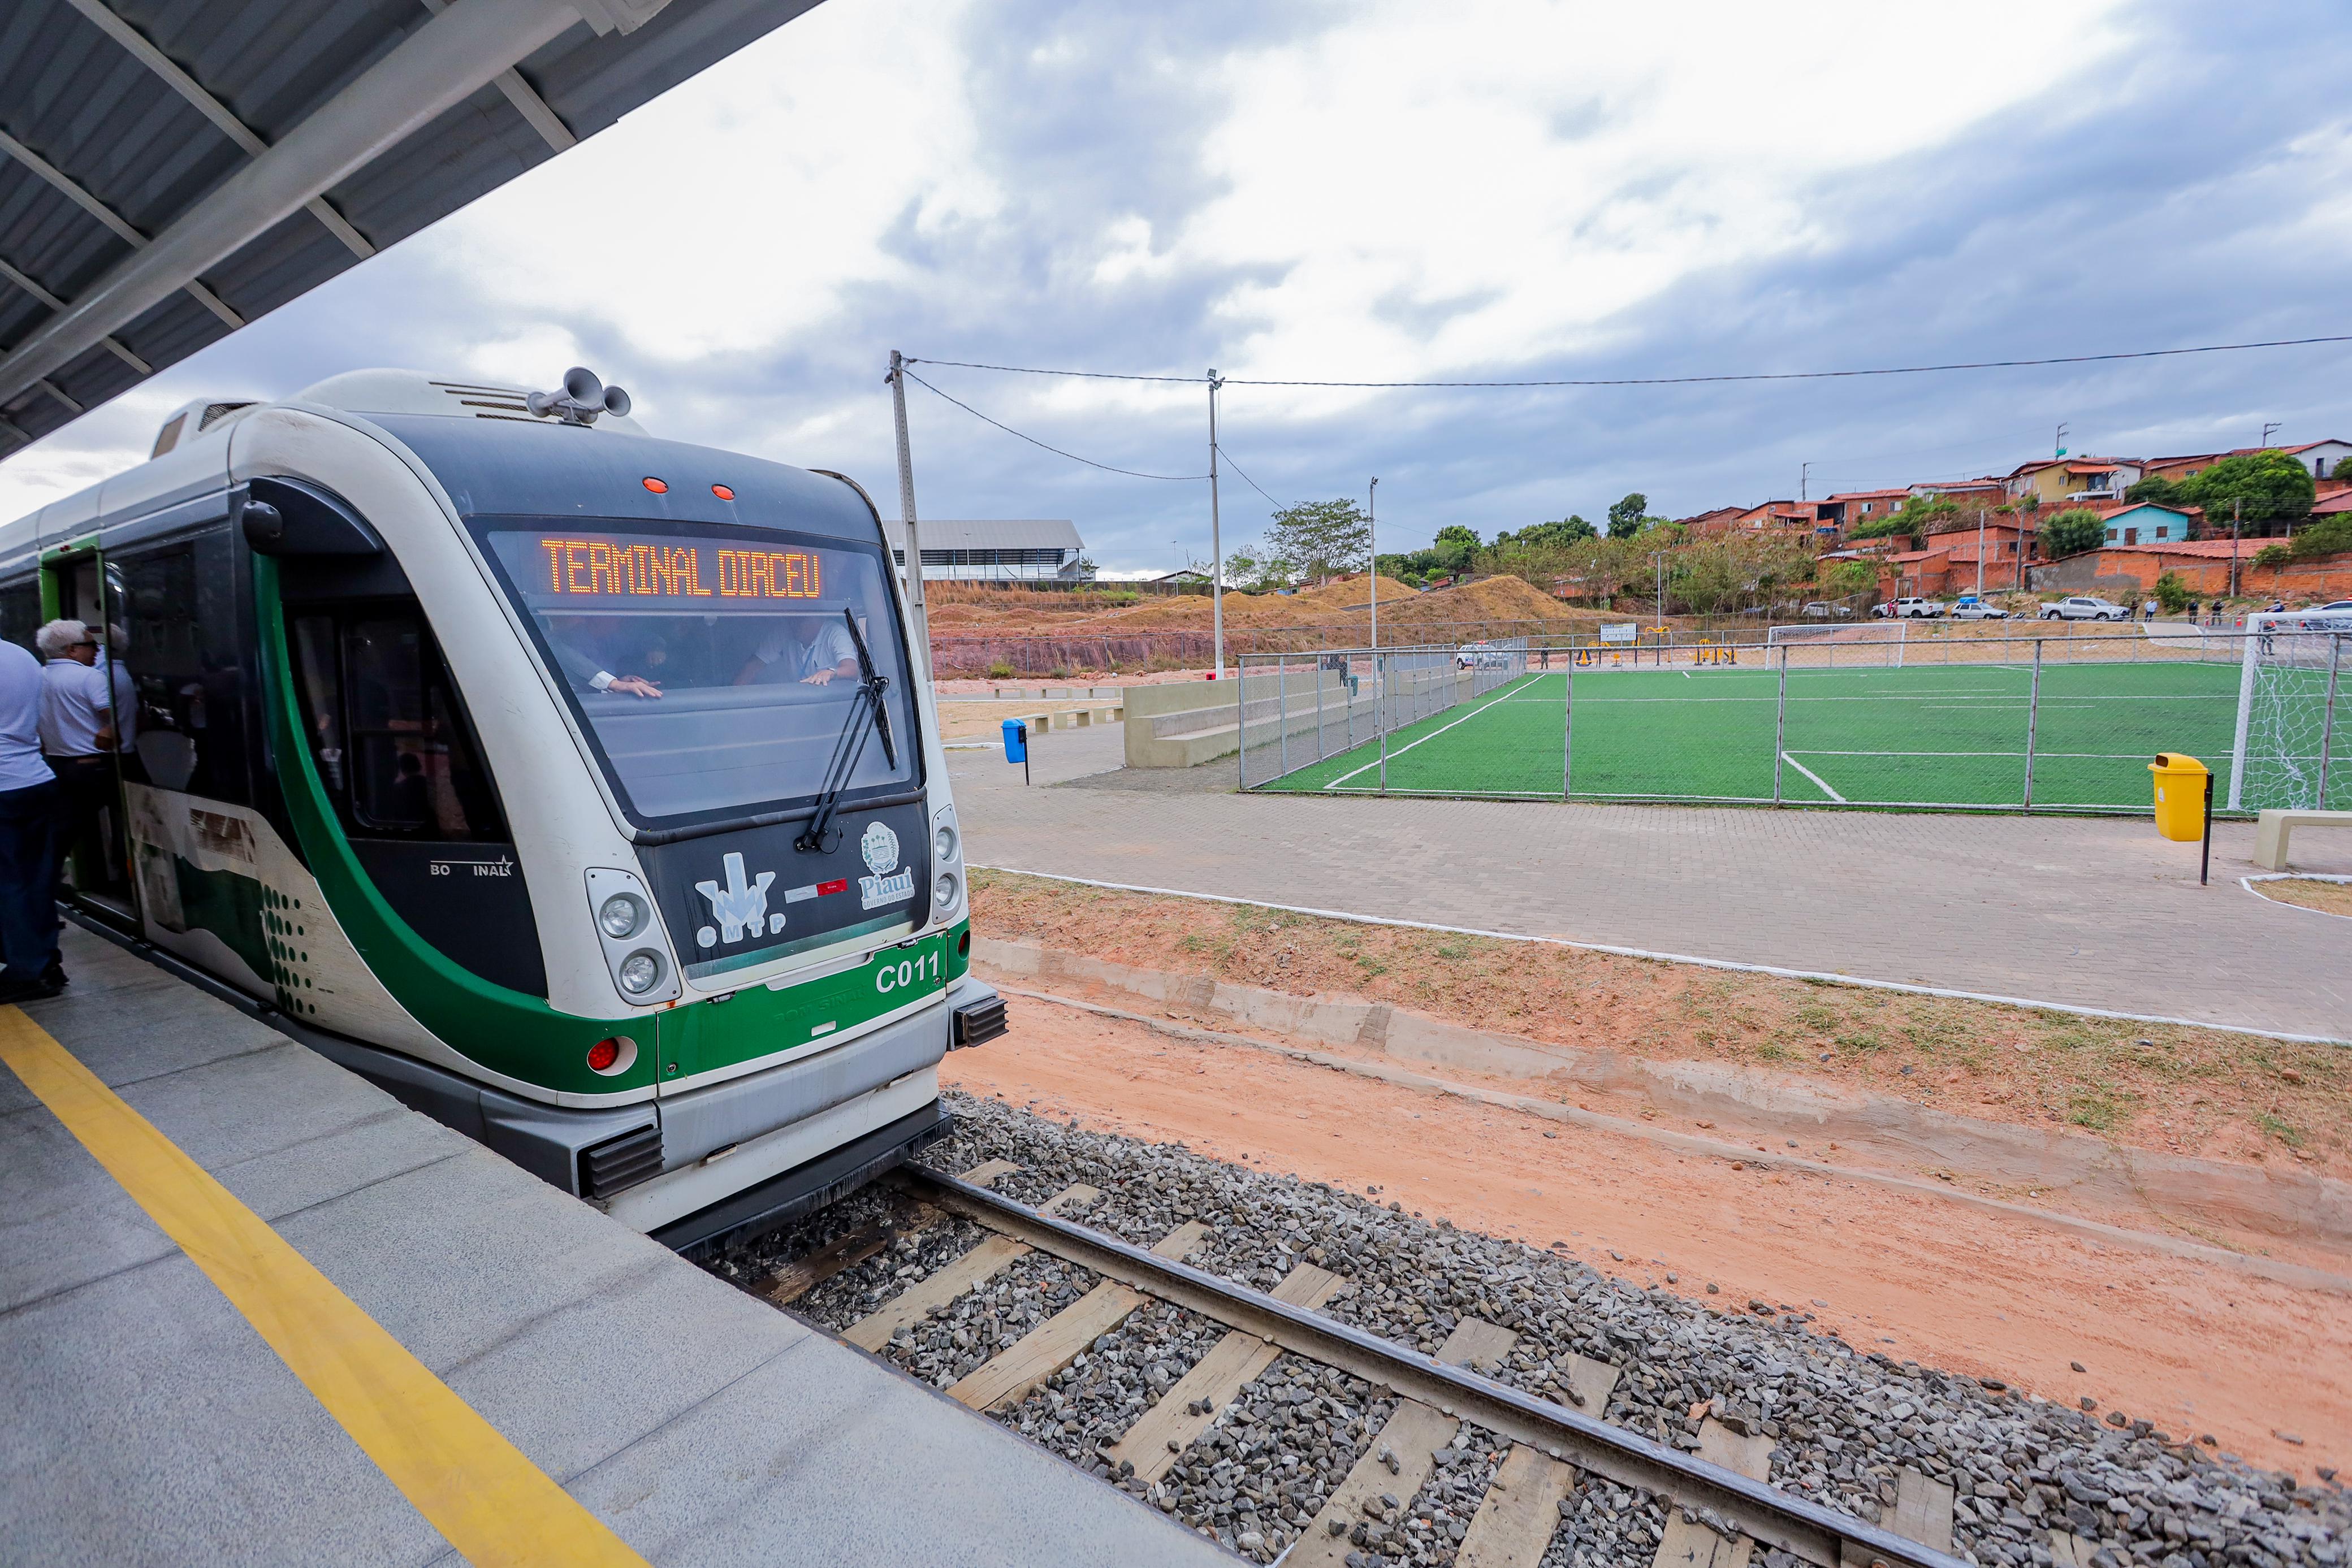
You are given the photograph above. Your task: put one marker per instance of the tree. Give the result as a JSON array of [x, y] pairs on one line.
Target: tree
[[1627, 515], [2171, 592], [1454, 547], [1566, 530], [1845, 578], [2266, 487], [1319, 539], [2157, 488], [2071, 532]]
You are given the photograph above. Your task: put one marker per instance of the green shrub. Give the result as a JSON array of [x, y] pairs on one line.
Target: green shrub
[[2326, 537], [2071, 532], [999, 671], [2171, 592]]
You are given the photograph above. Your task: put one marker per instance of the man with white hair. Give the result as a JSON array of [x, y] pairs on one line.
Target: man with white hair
[[76, 731], [28, 809]]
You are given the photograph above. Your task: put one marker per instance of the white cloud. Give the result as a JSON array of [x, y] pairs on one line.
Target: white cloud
[[733, 213], [1442, 188]]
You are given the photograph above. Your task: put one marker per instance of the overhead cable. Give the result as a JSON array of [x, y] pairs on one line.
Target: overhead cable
[[1106, 467], [1245, 478], [1681, 380]]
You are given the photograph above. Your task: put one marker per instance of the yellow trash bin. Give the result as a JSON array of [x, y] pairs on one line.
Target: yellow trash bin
[[2179, 796]]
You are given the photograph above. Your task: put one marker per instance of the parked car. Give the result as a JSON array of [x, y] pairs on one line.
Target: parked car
[[1822, 609], [1481, 656], [1910, 608], [2085, 607], [1978, 610]]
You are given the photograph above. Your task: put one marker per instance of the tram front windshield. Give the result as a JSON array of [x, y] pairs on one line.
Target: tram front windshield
[[715, 668]]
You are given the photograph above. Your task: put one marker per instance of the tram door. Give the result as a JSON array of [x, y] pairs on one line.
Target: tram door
[[94, 855]]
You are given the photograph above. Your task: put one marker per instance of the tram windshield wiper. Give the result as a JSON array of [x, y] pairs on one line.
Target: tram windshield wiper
[[866, 711]]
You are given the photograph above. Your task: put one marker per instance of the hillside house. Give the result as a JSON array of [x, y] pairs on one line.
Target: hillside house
[[2324, 459], [2073, 481], [2148, 522]]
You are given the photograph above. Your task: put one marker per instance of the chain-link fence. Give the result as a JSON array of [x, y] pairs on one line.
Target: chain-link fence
[[1967, 718], [1300, 711]]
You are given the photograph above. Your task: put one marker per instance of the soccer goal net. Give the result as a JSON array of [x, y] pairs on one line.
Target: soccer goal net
[[2290, 751], [1875, 645]]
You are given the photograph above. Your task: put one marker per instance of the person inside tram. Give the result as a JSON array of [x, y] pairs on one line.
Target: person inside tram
[[589, 646], [811, 649]]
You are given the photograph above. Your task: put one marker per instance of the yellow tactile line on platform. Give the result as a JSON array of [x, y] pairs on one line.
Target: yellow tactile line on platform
[[476, 1488]]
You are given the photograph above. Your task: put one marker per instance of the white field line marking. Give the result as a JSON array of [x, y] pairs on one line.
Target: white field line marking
[[1729, 965], [1820, 782], [1408, 745], [2091, 756]]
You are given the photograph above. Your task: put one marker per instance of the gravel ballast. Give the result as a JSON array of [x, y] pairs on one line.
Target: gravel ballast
[[1844, 1422]]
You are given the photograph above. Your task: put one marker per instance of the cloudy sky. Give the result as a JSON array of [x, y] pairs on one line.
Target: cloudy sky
[[1501, 189]]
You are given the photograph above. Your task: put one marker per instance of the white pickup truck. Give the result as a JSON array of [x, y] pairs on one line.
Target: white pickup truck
[[1909, 608], [2085, 607]]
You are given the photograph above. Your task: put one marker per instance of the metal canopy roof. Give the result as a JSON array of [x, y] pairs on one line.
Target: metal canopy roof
[[171, 168]]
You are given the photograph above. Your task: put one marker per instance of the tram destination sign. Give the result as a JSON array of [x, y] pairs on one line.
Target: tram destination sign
[[590, 570]]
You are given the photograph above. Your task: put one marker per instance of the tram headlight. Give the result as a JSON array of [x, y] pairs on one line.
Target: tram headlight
[[641, 971], [623, 915], [943, 891], [943, 844]]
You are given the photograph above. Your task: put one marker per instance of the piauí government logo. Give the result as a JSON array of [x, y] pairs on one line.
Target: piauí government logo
[[879, 845]]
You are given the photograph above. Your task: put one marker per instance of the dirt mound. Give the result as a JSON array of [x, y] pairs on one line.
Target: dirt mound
[[1343, 594], [1489, 598]]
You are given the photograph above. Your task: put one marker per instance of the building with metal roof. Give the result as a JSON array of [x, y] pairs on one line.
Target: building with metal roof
[[995, 549], [172, 169]]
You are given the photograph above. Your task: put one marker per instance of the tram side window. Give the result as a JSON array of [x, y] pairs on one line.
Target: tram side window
[[386, 730], [172, 645], [20, 613]]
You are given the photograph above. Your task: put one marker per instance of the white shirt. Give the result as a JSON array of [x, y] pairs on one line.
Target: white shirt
[[77, 701], [825, 651], [21, 767]]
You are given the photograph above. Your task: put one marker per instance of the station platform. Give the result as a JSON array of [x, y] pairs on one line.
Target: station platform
[[253, 1310]]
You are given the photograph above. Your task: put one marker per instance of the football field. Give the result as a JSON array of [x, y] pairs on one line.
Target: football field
[[1952, 735]]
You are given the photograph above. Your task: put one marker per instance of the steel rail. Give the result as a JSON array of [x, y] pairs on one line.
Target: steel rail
[[1769, 1516]]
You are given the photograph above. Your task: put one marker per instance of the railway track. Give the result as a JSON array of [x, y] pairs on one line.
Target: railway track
[[1720, 1509], [1314, 1355], [1551, 1444]]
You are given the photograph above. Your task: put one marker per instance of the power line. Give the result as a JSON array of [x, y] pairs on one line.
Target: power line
[[1684, 381], [1108, 468], [1245, 478]]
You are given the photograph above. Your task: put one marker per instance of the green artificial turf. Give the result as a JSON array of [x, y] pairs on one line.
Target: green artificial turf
[[1948, 735]]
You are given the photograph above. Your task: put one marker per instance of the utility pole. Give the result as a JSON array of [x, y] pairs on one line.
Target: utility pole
[[1980, 533], [2237, 521], [2269, 430], [913, 577], [2060, 443], [1804, 476], [1216, 540]]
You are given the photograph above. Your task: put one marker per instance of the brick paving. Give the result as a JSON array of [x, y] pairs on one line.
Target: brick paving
[[2082, 911]]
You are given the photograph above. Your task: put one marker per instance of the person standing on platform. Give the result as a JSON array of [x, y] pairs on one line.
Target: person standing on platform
[[28, 809], [77, 732]]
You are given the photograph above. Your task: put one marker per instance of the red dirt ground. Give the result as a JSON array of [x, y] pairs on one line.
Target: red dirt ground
[[2192, 1346]]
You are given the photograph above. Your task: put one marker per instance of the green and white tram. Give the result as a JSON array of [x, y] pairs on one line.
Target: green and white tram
[[578, 786]]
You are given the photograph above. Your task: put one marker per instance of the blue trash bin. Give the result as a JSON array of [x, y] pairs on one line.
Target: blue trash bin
[[1016, 740]]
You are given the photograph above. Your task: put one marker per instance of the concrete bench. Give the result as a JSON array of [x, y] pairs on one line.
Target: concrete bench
[[2269, 833], [1071, 718]]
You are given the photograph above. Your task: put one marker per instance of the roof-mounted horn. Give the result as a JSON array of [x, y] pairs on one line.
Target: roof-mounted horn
[[584, 397]]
